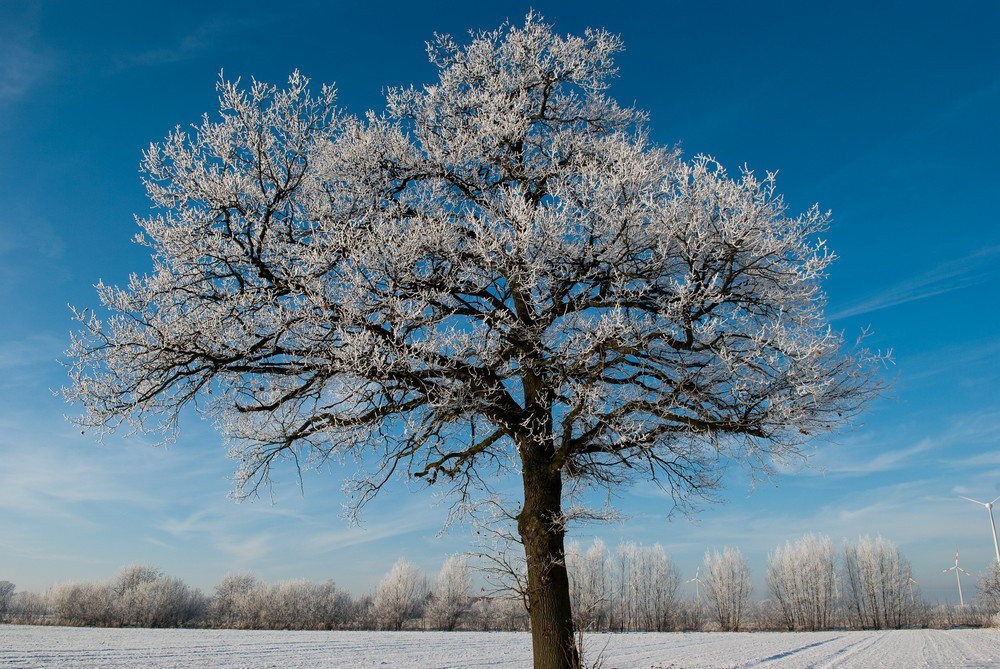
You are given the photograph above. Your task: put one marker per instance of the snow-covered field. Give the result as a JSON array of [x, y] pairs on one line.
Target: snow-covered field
[[25, 646]]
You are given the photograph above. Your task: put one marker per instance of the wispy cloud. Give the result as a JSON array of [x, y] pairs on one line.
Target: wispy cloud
[[203, 39], [44, 479], [965, 433], [31, 251], [249, 549], [38, 348], [883, 462], [973, 269], [199, 521], [24, 60], [400, 524]]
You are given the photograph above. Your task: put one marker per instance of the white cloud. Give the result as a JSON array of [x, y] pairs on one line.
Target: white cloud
[[973, 269], [407, 522], [859, 463], [204, 38], [247, 550], [24, 60]]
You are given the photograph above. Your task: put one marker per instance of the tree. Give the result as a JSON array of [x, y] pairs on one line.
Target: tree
[[989, 589], [642, 586], [80, 604], [727, 587], [130, 588], [330, 607], [500, 275], [588, 584], [145, 597], [803, 580], [451, 593], [877, 580], [235, 603], [399, 596], [300, 604], [654, 585], [26, 608], [6, 595]]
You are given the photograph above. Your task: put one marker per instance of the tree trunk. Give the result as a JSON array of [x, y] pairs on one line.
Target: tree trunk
[[542, 532]]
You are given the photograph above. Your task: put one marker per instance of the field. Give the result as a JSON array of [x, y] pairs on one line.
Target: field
[[59, 647]]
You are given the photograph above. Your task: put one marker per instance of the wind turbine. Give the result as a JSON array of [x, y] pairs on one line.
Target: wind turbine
[[910, 581], [956, 569], [989, 507], [697, 583]]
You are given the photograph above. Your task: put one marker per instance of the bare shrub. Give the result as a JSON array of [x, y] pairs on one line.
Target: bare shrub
[[688, 616], [78, 604], [499, 614], [945, 616], [26, 608], [989, 589]]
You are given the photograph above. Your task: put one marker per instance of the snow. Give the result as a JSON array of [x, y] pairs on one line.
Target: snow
[[62, 647]]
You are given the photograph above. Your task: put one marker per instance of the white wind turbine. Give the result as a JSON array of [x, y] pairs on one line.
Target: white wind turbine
[[989, 507], [956, 569], [697, 584]]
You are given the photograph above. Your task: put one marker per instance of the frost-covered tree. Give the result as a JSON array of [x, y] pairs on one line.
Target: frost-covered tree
[[588, 585], [145, 597], [500, 614], [802, 579], [166, 602], [130, 593], [655, 579], [399, 596], [79, 604], [643, 583], [301, 604], [499, 275], [6, 594], [234, 604], [728, 587], [451, 596], [27, 608], [286, 605], [329, 606], [989, 588], [876, 583]]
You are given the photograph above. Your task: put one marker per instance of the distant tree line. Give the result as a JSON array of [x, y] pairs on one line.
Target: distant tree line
[[811, 586], [143, 596], [868, 585]]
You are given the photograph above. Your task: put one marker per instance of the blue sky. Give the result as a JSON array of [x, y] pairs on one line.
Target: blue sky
[[885, 113]]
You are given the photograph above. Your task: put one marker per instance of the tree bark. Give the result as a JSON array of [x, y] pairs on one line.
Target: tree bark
[[540, 525]]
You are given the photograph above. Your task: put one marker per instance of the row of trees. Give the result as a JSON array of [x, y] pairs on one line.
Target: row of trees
[[143, 596], [868, 585]]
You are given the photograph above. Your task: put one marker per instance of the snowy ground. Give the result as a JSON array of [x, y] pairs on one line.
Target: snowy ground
[[25, 646]]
